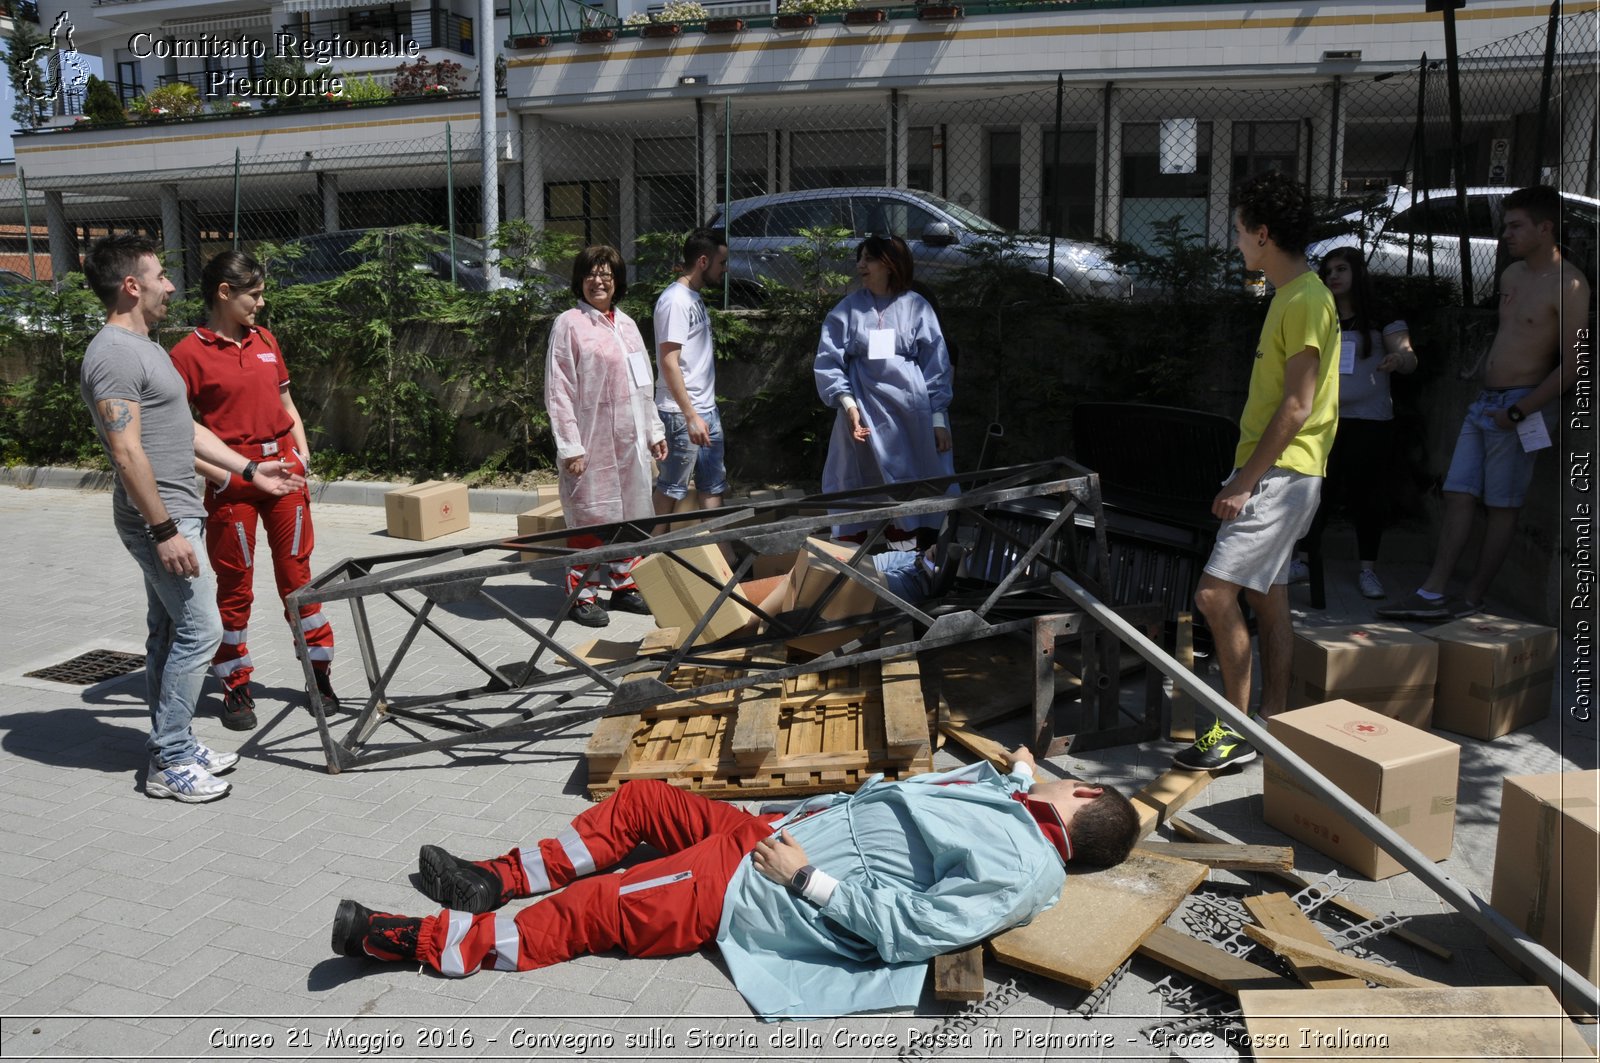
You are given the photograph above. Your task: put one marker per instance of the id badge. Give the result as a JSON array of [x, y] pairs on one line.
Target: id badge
[[639, 369], [880, 343], [1533, 433], [1347, 355]]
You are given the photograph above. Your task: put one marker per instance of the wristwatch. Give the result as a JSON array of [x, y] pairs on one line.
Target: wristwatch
[[802, 879], [248, 473], [1514, 414]]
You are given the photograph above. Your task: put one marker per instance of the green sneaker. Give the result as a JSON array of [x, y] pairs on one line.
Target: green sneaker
[[1216, 750]]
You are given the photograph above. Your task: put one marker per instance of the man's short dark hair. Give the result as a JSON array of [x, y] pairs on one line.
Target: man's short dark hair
[[1104, 830], [1540, 203], [1276, 200], [600, 255], [113, 258], [702, 242]]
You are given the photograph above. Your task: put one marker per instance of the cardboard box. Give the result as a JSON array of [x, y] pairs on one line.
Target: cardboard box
[[545, 517], [1495, 675], [1544, 866], [1404, 774], [766, 566], [678, 598], [427, 510], [1385, 667], [810, 579]]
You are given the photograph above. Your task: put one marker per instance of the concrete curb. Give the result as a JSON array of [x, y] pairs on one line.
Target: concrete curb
[[333, 493]]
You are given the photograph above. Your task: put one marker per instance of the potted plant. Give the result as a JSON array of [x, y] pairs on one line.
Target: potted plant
[[724, 25], [531, 40], [799, 14], [938, 12], [660, 29], [865, 16], [596, 35]]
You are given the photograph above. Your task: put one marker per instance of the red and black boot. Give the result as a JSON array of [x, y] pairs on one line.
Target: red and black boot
[[359, 931], [460, 884]]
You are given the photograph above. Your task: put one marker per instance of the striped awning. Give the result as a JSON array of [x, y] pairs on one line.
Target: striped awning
[[183, 27], [294, 7]]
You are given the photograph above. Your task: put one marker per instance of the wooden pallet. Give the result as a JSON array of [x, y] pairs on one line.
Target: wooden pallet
[[813, 733]]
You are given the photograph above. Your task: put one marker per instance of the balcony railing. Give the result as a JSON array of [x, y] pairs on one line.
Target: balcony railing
[[201, 79], [434, 28]]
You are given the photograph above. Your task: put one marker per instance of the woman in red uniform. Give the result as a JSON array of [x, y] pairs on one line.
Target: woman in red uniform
[[239, 388]]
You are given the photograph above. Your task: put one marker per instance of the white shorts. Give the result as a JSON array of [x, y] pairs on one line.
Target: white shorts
[[1253, 549]]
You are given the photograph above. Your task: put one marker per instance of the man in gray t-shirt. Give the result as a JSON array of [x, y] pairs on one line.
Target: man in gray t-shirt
[[141, 413]]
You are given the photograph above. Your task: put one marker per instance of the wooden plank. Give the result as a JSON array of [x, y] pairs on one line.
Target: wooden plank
[[1301, 952], [1230, 857], [661, 640], [980, 747], [1180, 723], [1484, 1024], [959, 975], [755, 732], [1185, 829], [905, 714], [987, 679], [611, 745], [1278, 913], [1160, 799], [1205, 962], [1101, 918]]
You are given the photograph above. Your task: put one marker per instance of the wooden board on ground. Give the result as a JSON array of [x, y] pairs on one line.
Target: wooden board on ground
[[1205, 962], [812, 733], [1223, 856], [1278, 913], [959, 975], [980, 746], [1300, 952], [1484, 1024], [1101, 918], [1184, 829], [1160, 799]]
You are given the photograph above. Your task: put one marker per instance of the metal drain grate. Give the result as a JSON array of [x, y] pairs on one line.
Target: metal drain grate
[[90, 668]]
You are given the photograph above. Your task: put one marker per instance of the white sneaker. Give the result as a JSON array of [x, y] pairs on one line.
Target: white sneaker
[[189, 783], [1371, 586], [214, 761], [1299, 571]]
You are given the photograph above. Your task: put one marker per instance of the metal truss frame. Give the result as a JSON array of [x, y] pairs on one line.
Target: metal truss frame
[[542, 688]]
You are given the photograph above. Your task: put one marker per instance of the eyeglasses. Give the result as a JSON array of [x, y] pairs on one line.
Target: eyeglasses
[[602, 277]]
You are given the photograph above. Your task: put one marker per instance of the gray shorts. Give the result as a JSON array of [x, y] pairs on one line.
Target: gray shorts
[[1253, 549]]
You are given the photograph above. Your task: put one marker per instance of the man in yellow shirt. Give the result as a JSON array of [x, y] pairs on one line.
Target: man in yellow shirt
[[1285, 433]]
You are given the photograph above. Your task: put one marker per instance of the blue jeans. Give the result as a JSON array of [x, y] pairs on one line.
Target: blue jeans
[[904, 574], [1489, 462], [184, 632], [710, 473]]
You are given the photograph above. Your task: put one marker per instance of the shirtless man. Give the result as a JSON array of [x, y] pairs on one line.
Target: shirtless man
[[1544, 302]]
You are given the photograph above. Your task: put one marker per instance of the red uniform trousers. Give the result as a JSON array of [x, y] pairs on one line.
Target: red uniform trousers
[[607, 576], [231, 545], [663, 907]]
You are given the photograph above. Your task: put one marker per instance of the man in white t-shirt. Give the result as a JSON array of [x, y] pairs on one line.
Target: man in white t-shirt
[[686, 383]]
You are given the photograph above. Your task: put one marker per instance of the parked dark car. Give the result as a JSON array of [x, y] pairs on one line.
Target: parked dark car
[[940, 234], [329, 255]]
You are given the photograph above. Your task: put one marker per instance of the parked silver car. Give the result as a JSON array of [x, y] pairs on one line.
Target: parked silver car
[[941, 234], [1394, 234]]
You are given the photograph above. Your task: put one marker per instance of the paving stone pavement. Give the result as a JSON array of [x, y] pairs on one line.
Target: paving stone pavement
[[139, 928]]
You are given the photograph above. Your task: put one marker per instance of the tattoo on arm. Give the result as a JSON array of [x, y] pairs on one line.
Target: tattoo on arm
[[115, 414]]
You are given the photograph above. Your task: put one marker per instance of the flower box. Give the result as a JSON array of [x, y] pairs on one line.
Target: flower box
[[795, 21], [660, 29], [535, 40], [938, 12], [724, 25], [867, 16], [596, 35]]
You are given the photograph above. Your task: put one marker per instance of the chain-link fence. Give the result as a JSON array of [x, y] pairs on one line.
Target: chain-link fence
[[1149, 165]]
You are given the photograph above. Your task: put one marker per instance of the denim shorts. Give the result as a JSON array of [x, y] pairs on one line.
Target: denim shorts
[[1254, 548], [1489, 462], [710, 476]]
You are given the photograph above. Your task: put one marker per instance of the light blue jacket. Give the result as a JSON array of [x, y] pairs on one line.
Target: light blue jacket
[[923, 869]]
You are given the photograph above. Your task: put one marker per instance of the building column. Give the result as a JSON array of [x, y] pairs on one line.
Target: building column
[[1030, 164], [1320, 154], [785, 150], [63, 238], [1219, 193], [533, 171], [1109, 203], [706, 115], [628, 200], [897, 141], [330, 201], [774, 153], [964, 183], [512, 174], [172, 235], [1335, 140]]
